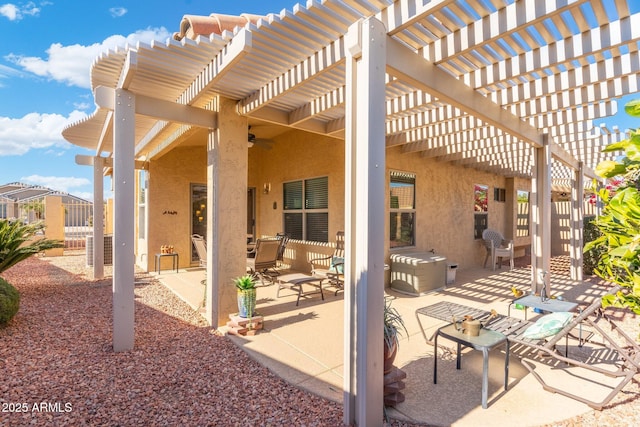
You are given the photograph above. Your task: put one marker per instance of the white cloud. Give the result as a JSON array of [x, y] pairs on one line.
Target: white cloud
[[60, 183], [82, 105], [34, 131], [71, 64], [16, 12], [117, 12]]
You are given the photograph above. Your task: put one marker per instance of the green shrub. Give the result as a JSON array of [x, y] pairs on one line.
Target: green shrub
[[9, 302], [591, 257]]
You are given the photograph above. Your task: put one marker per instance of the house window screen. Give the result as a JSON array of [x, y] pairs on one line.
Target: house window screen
[[402, 212], [306, 209]]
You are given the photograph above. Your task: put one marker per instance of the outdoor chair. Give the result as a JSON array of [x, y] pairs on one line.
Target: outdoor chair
[[497, 248], [265, 262], [334, 274], [201, 248], [284, 239], [614, 357]]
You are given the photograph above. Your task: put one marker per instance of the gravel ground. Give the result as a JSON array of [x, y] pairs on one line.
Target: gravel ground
[[57, 366]]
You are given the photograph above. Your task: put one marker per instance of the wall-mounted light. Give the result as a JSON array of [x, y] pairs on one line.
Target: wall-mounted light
[[266, 188], [202, 206]]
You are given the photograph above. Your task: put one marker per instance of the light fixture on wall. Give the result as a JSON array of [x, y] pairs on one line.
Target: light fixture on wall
[[266, 188]]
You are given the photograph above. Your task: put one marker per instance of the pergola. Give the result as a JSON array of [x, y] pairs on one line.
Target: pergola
[[510, 87]]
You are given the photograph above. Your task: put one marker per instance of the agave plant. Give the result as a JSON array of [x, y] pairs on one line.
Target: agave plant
[[17, 242], [393, 324]]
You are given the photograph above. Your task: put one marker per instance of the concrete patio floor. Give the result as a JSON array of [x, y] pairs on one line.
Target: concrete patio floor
[[304, 345]]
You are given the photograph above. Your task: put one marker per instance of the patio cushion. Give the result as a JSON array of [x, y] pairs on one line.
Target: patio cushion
[[548, 325], [337, 264]]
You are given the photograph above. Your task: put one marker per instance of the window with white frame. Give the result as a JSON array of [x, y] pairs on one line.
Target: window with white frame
[[402, 209], [306, 209], [142, 204]]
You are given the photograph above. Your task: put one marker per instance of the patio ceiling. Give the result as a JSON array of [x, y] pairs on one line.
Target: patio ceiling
[[545, 67]]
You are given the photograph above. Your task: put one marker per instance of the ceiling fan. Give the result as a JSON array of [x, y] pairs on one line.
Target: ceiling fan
[[252, 140]]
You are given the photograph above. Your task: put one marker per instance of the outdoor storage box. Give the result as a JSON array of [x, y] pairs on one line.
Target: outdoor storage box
[[418, 272]]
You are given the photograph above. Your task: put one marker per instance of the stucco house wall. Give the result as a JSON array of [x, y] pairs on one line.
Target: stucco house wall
[[168, 201], [444, 197]]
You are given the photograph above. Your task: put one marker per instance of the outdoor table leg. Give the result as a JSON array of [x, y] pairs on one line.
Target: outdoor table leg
[[435, 358], [506, 365], [485, 377]]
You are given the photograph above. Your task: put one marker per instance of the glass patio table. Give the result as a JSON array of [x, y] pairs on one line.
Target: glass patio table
[[485, 341]]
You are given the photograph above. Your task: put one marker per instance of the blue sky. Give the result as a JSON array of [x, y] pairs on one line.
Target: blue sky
[[45, 58]]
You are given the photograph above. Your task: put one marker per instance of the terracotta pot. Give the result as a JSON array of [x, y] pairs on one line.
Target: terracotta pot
[[389, 356]]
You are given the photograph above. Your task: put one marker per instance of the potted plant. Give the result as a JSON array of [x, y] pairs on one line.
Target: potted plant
[[246, 295], [393, 327]]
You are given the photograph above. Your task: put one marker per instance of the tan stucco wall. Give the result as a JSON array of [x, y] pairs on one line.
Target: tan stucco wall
[[168, 201], [54, 223], [444, 196], [296, 155], [444, 193]]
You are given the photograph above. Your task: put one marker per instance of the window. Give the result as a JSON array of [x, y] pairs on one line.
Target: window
[[306, 209], [480, 208], [142, 204], [499, 194], [402, 209], [522, 226]]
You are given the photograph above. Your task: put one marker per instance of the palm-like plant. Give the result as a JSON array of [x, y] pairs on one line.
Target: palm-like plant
[[393, 324], [17, 243]]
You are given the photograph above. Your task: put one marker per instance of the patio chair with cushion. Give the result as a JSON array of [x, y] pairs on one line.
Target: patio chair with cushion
[[497, 248], [201, 248], [265, 262], [334, 273]]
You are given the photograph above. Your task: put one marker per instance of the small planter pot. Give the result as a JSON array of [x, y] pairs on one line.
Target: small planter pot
[[246, 302], [389, 357]]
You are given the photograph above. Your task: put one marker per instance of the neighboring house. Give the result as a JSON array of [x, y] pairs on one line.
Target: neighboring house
[[24, 201], [386, 129]]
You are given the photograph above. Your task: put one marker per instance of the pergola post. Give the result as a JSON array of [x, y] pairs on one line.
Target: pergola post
[[98, 219], [364, 224], [541, 215], [124, 209], [227, 168], [577, 222]]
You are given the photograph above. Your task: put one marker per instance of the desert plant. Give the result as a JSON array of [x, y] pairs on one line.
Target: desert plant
[[245, 282], [393, 324], [246, 286], [9, 302], [15, 244]]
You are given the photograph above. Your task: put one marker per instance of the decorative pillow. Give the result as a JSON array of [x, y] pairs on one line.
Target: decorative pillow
[[548, 325], [337, 264]]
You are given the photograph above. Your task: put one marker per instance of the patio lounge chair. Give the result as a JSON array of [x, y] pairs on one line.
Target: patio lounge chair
[[201, 248], [264, 263], [334, 274], [497, 247], [617, 358]]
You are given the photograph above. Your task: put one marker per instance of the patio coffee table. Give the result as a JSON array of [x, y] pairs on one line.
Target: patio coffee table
[[484, 342]]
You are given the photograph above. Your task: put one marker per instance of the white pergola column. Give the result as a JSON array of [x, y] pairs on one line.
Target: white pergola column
[[124, 209], [227, 168], [98, 219], [364, 224], [541, 215], [577, 223]]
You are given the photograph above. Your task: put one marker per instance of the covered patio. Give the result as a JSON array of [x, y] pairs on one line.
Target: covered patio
[[303, 344], [507, 91]]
